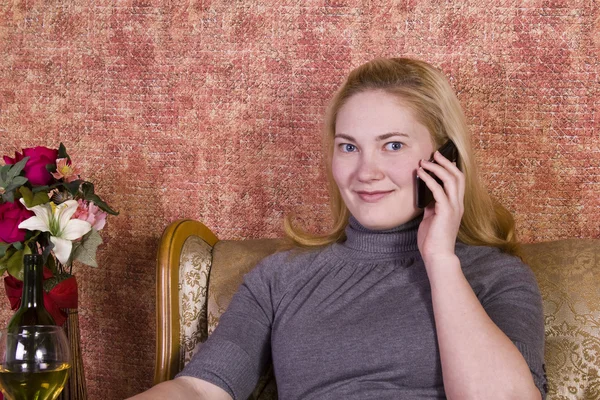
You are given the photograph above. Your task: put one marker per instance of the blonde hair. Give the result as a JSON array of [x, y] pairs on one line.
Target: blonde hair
[[426, 91]]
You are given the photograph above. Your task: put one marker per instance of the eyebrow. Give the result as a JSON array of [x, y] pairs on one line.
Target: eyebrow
[[385, 136]]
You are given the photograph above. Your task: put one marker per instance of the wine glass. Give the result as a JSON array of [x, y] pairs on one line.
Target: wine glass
[[34, 362]]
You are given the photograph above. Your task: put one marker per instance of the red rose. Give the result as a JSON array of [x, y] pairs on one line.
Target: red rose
[[35, 169], [11, 215]]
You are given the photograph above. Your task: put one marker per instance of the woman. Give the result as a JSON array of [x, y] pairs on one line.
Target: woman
[[389, 304]]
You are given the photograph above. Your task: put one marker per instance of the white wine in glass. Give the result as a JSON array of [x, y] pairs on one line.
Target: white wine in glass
[[35, 362]]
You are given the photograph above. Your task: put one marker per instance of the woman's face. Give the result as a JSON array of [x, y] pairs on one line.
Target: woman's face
[[377, 148]]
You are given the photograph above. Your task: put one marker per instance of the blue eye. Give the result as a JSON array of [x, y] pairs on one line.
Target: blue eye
[[347, 147], [394, 146]]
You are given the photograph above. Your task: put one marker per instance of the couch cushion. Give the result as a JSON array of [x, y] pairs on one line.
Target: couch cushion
[[568, 273], [233, 258]]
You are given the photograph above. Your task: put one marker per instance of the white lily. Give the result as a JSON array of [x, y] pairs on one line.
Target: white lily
[[56, 219]]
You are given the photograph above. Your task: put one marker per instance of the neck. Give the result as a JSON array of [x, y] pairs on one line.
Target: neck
[[370, 243]]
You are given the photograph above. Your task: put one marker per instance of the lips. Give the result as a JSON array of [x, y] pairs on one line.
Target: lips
[[374, 196]]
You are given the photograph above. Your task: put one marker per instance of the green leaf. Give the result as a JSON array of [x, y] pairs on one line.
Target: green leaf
[[51, 168], [15, 265], [15, 183], [9, 252], [87, 188], [62, 151], [55, 280], [40, 198], [102, 205], [48, 259], [8, 197], [11, 179], [32, 200], [73, 187], [27, 195], [42, 189], [47, 188], [3, 248], [51, 263], [88, 194], [19, 180], [85, 251], [18, 245], [4, 172], [6, 259], [32, 238], [17, 168], [49, 283]]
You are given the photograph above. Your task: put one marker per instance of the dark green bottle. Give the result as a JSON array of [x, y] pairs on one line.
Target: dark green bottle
[[32, 310]]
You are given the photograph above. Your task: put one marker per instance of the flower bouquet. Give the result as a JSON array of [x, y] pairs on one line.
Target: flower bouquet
[[46, 208]]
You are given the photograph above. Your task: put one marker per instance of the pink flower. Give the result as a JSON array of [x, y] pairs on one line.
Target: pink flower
[[11, 215], [64, 170], [35, 169], [89, 212]]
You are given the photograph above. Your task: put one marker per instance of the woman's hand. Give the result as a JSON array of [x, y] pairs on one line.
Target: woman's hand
[[441, 219], [476, 355]]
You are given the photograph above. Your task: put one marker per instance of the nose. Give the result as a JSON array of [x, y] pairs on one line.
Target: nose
[[369, 169]]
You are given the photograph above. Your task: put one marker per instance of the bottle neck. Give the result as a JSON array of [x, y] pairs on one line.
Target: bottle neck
[[32, 286]]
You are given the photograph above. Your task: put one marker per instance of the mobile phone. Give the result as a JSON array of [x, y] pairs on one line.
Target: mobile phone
[[423, 193]]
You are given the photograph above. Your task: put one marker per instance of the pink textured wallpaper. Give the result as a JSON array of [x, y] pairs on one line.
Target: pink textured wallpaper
[[212, 110]]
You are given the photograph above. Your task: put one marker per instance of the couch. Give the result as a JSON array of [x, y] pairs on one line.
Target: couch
[[197, 275]]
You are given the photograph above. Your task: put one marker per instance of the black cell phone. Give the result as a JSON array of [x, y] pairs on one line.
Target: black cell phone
[[423, 194]]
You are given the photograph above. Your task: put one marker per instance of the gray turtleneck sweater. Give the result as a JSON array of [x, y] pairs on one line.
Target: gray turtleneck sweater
[[354, 320]]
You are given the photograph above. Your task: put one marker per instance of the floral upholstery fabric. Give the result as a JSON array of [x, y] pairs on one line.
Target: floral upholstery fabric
[[568, 273], [194, 267]]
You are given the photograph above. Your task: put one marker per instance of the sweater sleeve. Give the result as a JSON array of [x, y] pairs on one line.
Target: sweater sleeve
[[512, 300], [238, 351]]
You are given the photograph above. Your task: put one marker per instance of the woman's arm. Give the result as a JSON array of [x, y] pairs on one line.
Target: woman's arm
[[184, 388], [478, 359]]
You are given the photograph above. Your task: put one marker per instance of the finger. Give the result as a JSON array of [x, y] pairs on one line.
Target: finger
[[439, 194], [452, 167], [440, 171], [449, 165], [453, 187]]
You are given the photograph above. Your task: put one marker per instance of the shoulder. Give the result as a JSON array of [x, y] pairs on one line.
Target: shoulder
[[280, 269], [288, 261], [490, 271], [488, 258]]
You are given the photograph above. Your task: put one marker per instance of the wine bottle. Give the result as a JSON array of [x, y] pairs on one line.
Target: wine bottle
[[32, 310]]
